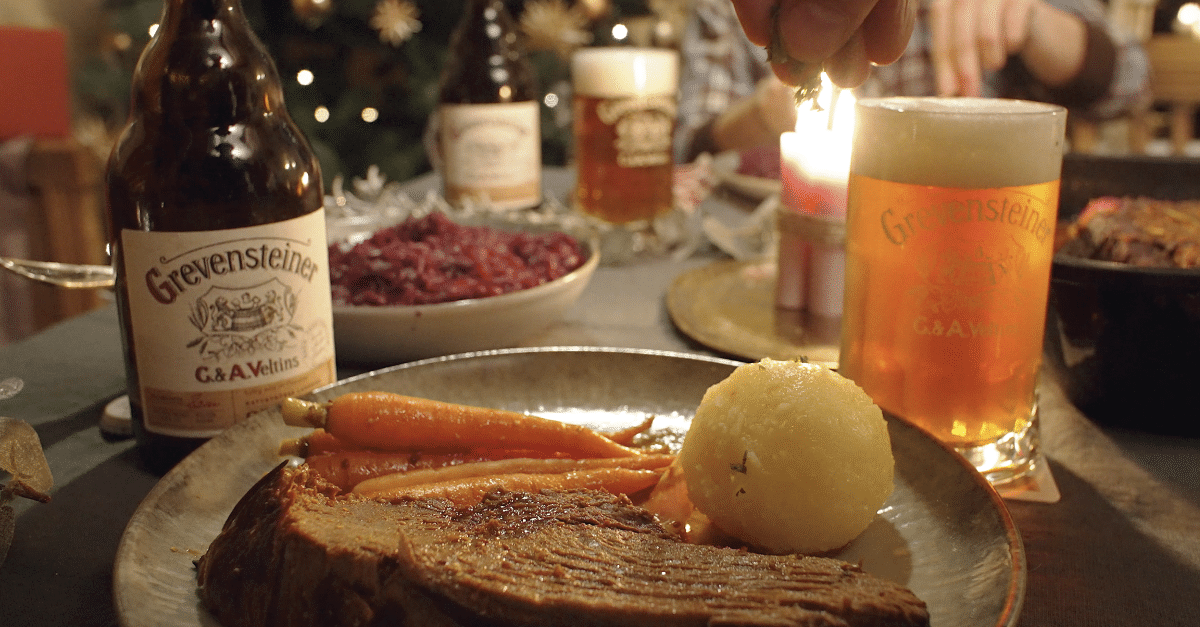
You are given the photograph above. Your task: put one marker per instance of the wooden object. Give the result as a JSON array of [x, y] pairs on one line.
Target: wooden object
[[1175, 82], [66, 180]]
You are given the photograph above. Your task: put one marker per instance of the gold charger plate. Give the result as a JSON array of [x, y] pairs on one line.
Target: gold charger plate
[[729, 306]]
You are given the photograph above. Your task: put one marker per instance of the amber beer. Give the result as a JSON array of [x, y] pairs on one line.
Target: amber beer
[[950, 227], [624, 118]]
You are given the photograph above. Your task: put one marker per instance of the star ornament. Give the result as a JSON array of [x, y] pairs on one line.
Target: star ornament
[[551, 25], [396, 20]]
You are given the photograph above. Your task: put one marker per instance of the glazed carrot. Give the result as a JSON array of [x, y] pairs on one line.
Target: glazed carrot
[[669, 499], [470, 491], [315, 443], [347, 468], [524, 466], [386, 421], [625, 436]]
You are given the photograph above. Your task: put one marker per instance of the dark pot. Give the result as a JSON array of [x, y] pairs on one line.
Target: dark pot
[[1124, 342]]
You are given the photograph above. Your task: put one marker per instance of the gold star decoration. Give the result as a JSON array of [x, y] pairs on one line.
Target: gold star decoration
[[396, 20], [552, 25]]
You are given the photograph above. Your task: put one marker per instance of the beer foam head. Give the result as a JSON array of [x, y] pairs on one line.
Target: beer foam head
[[618, 71], [959, 142]]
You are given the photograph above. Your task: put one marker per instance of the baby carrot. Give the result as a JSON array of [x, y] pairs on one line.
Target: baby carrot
[[318, 442], [470, 491], [525, 466], [386, 421], [347, 468], [625, 436]]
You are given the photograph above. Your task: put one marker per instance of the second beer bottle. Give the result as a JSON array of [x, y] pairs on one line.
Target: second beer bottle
[[489, 132]]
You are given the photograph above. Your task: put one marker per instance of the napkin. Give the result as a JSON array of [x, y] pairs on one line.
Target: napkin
[[20, 456]]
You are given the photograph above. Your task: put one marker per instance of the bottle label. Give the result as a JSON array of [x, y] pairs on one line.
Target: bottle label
[[227, 323], [492, 153], [643, 126]]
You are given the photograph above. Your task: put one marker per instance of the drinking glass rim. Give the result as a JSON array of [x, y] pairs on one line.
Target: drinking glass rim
[[957, 106]]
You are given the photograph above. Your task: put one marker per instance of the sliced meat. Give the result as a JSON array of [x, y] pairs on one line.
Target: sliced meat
[[296, 552]]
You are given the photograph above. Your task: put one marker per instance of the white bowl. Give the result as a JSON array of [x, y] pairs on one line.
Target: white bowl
[[392, 334]]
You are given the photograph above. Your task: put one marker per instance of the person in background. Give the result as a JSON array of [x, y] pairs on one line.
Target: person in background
[[1060, 51], [728, 97]]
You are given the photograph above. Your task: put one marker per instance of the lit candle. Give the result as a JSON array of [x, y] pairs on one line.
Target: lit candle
[[815, 170]]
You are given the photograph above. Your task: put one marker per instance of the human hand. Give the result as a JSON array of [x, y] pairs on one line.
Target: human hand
[[758, 119], [968, 37], [845, 36]]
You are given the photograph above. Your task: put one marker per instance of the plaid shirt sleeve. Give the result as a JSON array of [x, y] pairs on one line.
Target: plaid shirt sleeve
[[719, 67]]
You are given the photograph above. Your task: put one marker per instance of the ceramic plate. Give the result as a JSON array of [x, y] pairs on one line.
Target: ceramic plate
[[944, 532], [396, 333], [729, 306]]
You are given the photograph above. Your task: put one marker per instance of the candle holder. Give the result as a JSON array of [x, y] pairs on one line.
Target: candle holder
[[815, 169]]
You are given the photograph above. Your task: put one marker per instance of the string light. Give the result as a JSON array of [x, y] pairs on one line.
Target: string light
[[620, 32], [1187, 19], [370, 114], [321, 114], [304, 77]]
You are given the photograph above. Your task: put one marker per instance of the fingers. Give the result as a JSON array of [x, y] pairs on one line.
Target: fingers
[[846, 35], [965, 57], [990, 38], [755, 16], [1017, 22], [941, 47], [887, 29], [849, 66], [968, 37], [812, 30]]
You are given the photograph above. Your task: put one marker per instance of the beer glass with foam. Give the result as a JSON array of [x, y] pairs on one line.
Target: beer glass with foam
[[625, 103], [950, 227]]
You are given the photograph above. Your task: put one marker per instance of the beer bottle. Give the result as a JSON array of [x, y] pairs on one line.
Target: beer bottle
[[217, 219], [488, 116]]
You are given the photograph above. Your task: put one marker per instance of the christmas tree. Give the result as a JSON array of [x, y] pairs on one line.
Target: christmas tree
[[361, 76]]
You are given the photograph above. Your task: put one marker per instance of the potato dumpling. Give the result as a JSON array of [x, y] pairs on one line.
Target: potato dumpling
[[788, 457]]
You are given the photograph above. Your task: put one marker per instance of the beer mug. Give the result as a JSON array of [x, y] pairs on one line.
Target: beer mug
[[952, 205], [625, 105]]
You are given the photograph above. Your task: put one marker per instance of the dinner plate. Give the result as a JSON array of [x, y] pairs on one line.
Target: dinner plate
[[944, 532], [729, 306]]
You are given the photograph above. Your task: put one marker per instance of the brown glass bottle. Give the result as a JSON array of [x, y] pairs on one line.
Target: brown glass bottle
[[488, 112], [216, 208]]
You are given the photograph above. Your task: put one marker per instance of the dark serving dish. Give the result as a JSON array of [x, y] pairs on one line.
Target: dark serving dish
[[1124, 342]]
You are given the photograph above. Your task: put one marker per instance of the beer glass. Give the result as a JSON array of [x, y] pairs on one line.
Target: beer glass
[[952, 204], [625, 102]]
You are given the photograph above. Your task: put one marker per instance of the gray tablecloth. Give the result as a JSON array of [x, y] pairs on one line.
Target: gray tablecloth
[[1121, 547]]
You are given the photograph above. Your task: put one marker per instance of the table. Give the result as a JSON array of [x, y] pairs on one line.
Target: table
[[1122, 546]]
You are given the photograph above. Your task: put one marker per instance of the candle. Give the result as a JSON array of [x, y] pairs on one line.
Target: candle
[[815, 169]]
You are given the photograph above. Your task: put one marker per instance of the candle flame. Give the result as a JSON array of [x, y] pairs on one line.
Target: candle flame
[[820, 147], [833, 103]]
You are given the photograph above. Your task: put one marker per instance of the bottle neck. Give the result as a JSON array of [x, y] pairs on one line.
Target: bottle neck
[[175, 11], [206, 67]]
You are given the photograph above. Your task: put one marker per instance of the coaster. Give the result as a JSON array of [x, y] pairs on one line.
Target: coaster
[[117, 418], [1038, 486]]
